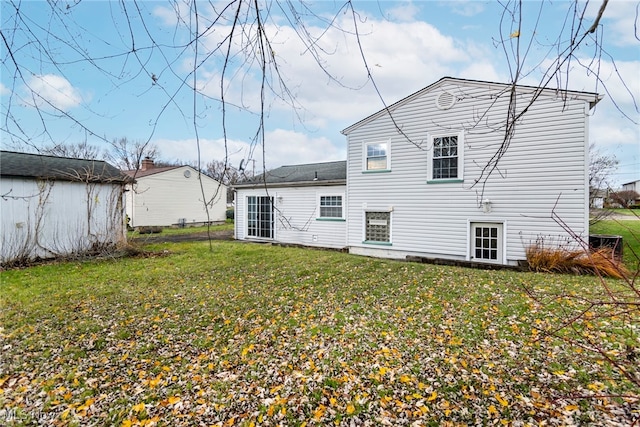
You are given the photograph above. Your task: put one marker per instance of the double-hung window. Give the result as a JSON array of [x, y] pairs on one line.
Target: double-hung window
[[376, 156], [445, 158], [331, 207]]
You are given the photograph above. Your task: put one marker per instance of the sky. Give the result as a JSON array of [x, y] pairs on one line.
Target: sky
[[106, 70]]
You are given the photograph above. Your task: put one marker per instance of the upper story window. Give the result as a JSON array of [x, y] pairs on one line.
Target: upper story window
[[445, 157], [376, 156], [331, 206]]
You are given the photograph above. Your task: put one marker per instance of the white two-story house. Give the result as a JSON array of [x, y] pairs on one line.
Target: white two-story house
[[461, 170], [439, 174]]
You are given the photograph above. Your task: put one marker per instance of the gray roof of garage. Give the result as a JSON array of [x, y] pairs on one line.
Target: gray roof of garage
[[37, 166]]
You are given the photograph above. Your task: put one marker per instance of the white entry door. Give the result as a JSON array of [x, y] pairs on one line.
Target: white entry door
[[486, 242]]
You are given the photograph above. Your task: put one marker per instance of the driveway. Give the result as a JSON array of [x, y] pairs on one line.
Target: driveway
[[187, 237], [607, 214]]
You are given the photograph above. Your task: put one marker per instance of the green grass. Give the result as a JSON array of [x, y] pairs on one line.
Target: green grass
[[630, 232], [258, 334], [228, 225]]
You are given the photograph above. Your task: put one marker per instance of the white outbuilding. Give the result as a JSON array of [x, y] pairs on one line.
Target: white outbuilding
[[55, 206]]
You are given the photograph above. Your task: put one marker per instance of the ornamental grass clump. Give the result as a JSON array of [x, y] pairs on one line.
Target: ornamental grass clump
[[574, 261]]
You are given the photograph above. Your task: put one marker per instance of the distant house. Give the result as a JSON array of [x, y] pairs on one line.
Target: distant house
[[173, 196], [597, 198], [55, 206], [632, 186], [298, 204], [417, 180]]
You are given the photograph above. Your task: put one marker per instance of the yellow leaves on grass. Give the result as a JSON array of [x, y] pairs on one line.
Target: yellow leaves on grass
[[172, 400], [405, 378], [140, 423], [319, 412], [504, 402], [247, 350], [139, 407]]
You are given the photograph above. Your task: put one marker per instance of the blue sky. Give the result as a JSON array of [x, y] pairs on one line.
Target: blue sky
[[143, 95]]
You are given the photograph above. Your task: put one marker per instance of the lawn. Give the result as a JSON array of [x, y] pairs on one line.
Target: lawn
[[629, 229], [228, 225], [251, 334]]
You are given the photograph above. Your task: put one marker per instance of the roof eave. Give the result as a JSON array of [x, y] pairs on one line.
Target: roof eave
[[290, 184]]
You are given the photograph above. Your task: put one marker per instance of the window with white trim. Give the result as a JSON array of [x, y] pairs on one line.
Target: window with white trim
[[445, 157], [376, 156], [378, 227], [331, 206]]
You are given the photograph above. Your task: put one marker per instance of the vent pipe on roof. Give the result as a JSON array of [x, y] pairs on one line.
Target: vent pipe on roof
[[316, 177]]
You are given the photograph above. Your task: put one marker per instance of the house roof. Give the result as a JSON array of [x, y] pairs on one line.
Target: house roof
[[139, 173], [591, 97], [37, 166], [306, 174]]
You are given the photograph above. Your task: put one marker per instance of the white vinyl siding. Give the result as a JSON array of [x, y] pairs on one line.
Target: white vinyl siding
[[296, 211], [55, 218], [166, 198], [542, 172]]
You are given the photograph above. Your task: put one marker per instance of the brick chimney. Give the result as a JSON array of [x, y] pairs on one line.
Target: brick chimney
[[147, 163]]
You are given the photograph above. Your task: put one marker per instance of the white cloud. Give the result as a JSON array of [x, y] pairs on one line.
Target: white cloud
[[466, 8], [48, 90], [290, 147], [210, 149], [404, 13], [402, 58], [619, 20], [282, 147], [4, 90]]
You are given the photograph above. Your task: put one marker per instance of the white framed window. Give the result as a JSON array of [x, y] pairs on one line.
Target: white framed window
[[377, 156], [331, 206], [446, 157], [487, 242], [377, 227]]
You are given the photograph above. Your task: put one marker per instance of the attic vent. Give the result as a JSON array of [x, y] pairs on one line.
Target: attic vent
[[445, 100]]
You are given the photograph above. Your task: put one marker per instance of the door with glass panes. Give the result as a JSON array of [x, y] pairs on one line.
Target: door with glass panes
[[260, 216], [486, 242]]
